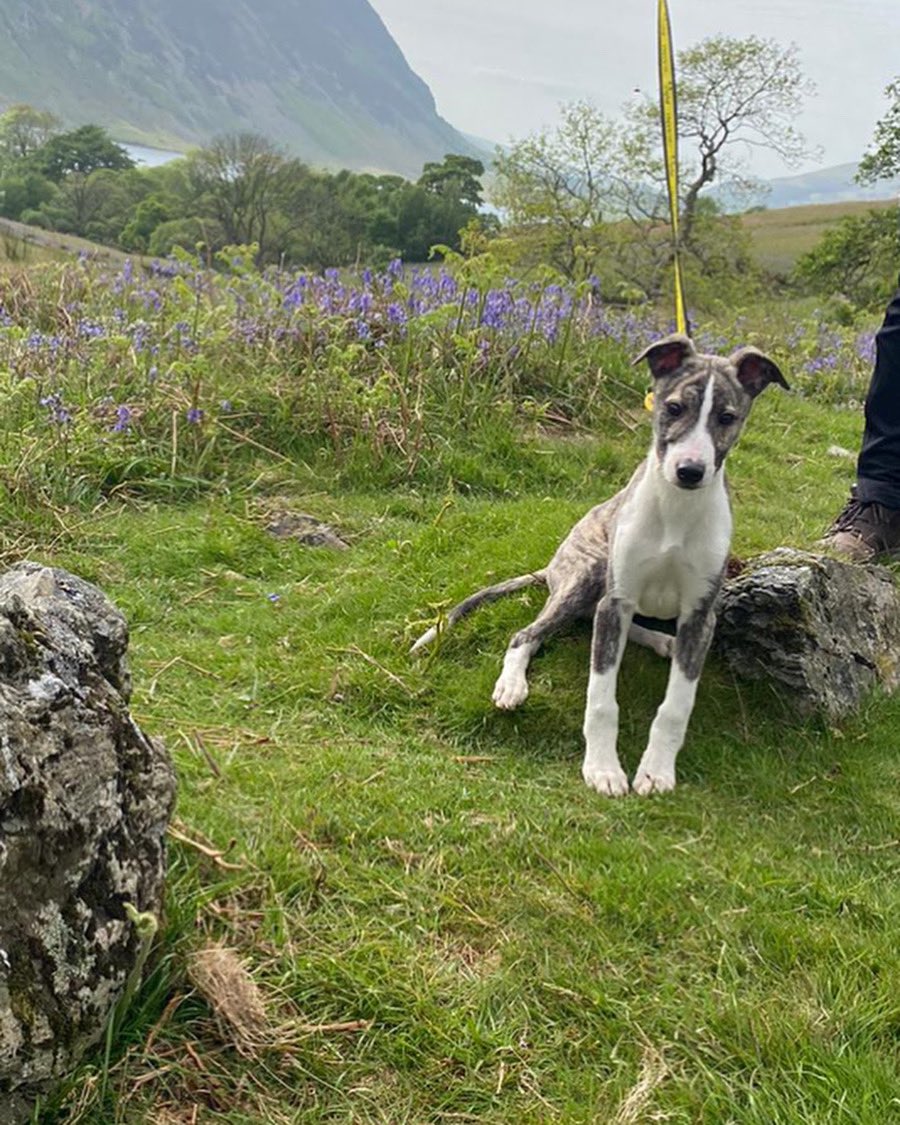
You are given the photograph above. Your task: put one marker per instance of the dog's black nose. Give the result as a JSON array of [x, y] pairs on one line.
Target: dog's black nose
[[690, 473]]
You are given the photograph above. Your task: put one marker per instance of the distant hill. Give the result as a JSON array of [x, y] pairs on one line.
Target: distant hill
[[826, 185], [322, 77]]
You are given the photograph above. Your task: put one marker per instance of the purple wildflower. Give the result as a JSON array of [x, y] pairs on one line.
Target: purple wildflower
[[59, 414]]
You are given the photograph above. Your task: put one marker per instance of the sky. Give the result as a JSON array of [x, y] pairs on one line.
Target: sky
[[500, 69]]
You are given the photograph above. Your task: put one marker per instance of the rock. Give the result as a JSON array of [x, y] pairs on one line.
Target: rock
[[305, 529], [824, 632], [85, 799]]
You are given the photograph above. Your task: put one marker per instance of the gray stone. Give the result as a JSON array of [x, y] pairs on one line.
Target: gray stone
[[306, 530], [824, 632], [85, 799]]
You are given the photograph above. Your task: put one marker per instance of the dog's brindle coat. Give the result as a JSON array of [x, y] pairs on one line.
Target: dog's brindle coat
[[658, 548]]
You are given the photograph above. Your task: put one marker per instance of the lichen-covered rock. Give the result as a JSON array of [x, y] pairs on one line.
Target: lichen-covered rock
[[85, 799], [824, 632], [306, 530]]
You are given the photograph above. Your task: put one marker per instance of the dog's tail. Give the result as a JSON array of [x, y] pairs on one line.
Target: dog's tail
[[488, 594]]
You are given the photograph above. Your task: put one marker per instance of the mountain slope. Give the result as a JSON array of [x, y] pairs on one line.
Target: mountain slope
[[322, 77], [826, 185]]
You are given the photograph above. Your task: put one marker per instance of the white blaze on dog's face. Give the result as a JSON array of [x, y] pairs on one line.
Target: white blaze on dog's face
[[700, 404], [698, 420]]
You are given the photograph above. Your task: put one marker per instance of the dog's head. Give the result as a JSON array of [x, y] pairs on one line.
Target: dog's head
[[700, 403]]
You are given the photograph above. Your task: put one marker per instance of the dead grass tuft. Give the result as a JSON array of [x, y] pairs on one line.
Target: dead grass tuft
[[224, 981], [633, 1107]]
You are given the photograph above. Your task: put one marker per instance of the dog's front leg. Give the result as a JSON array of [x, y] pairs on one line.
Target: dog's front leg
[[656, 772], [601, 769]]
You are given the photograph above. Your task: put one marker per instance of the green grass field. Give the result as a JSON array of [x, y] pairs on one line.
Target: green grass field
[[387, 901], [439, 921]]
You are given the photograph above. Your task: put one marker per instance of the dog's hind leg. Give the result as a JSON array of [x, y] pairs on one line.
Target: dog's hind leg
[[563, 605], [663, 644]]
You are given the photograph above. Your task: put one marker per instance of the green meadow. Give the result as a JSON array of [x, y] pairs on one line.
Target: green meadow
[[418, 911]]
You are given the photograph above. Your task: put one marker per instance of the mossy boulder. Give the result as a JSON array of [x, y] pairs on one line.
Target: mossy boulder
[[822, 631], [85, 799]]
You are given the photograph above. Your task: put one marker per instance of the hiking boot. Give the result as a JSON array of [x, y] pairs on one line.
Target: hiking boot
[[864, 530]]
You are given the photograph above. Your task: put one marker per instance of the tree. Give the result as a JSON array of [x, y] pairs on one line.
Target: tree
[[24, 129], [735, 96], [149, 213], [555, 186], [93, 205], [856, 258], [23, 191], [884, 161], [241, 180], [191, 233], [458, 177], [590, 197], [83, 150]]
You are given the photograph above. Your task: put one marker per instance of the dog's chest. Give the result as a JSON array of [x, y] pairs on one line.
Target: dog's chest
[[664, 562], [664, 585]]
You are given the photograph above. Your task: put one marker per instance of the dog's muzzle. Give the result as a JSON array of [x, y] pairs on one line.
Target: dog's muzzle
[[689, 474]]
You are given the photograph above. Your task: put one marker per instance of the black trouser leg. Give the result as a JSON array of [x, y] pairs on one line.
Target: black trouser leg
[[878, 466]]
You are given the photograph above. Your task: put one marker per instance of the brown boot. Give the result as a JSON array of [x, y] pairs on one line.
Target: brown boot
[[864, 530]]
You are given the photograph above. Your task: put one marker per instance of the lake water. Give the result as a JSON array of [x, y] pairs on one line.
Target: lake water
[[150, 157]]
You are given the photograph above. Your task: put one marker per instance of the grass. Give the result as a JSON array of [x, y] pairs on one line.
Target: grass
[[440, 921], [780, 236]]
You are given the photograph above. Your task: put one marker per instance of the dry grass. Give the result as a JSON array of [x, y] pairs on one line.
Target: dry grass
[[222, 977], [781, 236]]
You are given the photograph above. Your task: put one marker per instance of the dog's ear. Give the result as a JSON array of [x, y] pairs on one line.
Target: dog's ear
[[668, 354], [756, 371]]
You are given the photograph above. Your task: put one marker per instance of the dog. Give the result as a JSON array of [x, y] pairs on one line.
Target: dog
[[657, 549]]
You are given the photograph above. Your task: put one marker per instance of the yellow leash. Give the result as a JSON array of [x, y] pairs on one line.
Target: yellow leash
[[668, 108], [668, 111]]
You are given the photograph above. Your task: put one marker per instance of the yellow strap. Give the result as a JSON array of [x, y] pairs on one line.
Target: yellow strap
[[669, 116]]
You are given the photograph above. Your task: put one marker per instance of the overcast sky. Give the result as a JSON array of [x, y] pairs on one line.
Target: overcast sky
[[501, 68]]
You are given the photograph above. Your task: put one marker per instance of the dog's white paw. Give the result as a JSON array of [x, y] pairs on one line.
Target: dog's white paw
[[609, 783], [510, 691], [663, 645], [658, 781]]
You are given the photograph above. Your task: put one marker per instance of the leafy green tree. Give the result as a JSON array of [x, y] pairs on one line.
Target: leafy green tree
[[735, 96], [857, 258], [149, 213], [883, 161], [590, 197], [457, 177], [333, 216], [242, 180], [96, 205], [82, 151], [555, 187], [24, 129], [22, 191], [191, 233]]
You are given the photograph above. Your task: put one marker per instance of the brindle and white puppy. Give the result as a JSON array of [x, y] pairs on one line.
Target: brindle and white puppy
[[658, 549]]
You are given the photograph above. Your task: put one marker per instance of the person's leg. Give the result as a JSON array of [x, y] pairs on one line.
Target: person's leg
[[878, 467], [869, 525]]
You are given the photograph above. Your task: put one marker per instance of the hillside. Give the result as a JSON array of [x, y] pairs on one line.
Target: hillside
[[322, 77], [780, 235], [827, 185]]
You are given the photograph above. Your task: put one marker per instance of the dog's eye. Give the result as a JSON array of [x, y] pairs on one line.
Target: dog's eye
[[674, 409], [726, 418]]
